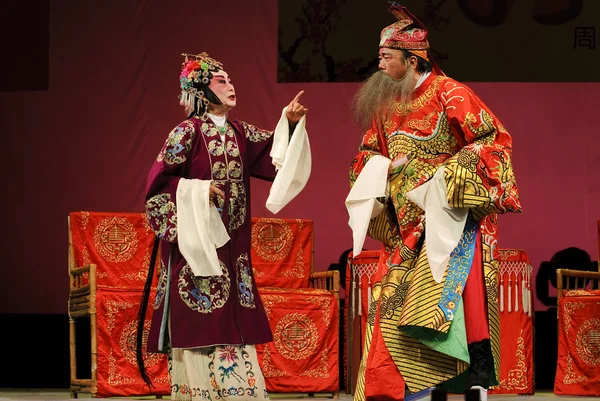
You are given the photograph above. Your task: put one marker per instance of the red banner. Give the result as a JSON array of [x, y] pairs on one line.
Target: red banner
[[282, 252], [578, 367], [303, 356], [120, 244], [516, 327], [117, 366]]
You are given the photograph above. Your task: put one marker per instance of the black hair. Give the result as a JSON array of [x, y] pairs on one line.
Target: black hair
[[139, 352], [199, 107], [423, 65]]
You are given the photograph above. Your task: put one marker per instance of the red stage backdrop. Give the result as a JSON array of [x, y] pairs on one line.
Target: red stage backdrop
[[88, 142]]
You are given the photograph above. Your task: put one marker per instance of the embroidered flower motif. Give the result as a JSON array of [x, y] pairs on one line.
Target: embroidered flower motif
[[203, 294], [178, 144], [228, 353], [215, 147], [232, 149], [237, 205], [255, 134], [235, 169], [204, 285], [219, 171], [162, 216], [245, 294]]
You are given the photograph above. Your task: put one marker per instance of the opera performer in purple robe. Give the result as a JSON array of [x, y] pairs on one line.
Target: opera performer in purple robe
[[209, 318]]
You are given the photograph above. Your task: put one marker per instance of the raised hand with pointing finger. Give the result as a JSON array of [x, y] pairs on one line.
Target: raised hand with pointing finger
[[295, 111]]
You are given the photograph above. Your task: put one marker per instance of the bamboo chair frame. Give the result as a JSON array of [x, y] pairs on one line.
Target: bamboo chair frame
[[575, 280], [82, 304]]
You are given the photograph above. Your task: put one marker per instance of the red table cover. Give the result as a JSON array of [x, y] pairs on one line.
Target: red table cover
[[303, 356]]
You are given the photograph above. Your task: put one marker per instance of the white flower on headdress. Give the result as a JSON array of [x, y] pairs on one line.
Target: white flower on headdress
[[386, 34]]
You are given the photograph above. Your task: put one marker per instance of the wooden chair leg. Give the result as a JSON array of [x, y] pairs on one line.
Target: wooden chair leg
[[94, 386], [72, 356], [93, 330]]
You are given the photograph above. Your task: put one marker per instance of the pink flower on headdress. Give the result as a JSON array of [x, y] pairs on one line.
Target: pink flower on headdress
[[188, 67]]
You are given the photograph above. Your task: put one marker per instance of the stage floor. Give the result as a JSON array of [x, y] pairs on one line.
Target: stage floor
[[42, 394]]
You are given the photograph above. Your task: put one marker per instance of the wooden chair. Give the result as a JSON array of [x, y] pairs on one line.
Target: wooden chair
[[577, 369], [82, 304], [329, 280], [89, 285], [568, 280]]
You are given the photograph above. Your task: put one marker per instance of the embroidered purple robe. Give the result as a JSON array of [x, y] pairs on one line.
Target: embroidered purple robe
[[218, 310]]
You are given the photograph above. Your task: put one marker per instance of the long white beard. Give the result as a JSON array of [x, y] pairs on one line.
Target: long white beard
[[380, 94]]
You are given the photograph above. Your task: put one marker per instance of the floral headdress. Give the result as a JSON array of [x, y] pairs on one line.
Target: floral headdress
[[194, 79]]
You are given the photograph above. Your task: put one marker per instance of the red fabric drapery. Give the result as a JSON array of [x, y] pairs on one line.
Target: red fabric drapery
[[304, 353], [120, 244], [282, 252], [578, 367], [516, 326], [303, 356], [118, 375]]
